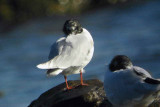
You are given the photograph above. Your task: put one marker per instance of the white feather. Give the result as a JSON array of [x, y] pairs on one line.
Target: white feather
[[54, 72], [72, 51]]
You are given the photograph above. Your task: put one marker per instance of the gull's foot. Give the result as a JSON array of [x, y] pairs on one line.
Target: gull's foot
[[83, 84], [68, 88]]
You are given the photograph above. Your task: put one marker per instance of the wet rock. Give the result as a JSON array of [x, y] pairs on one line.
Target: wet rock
[[156, 103], [92, 95]]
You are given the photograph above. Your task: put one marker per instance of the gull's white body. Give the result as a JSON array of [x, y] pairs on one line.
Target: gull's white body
[[70, 54], [126, 89]]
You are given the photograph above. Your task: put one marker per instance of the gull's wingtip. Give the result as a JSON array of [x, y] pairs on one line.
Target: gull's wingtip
[[41, 66]]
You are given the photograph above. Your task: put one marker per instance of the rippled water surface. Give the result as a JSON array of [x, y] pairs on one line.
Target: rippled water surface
[[132, 30]]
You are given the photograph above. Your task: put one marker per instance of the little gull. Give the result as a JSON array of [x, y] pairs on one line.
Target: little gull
[[70, 54], [129, 86]]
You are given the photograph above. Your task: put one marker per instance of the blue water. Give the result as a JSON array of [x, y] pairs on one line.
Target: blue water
[[132, 30]]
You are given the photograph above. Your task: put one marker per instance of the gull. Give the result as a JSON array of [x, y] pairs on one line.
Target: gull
[[71, 53], [129, 86]]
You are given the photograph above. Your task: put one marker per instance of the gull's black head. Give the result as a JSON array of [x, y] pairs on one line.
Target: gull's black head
[[72, 26], [120, 62]]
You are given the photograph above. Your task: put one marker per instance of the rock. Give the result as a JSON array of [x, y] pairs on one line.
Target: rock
[[92, 95], [156, 103]]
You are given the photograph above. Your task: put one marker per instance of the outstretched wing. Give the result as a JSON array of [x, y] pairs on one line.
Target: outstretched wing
[[72, 51]]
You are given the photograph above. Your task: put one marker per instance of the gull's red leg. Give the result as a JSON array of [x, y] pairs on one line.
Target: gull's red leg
[[65, 77], [82, 78]]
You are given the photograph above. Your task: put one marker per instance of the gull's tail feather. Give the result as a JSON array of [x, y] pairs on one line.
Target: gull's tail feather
[[53, 72]]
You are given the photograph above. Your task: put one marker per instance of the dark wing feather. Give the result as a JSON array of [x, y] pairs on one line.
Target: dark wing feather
[[141, 72], [145, 75], [152, 81]]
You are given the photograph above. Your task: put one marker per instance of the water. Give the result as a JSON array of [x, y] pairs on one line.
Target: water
[[132, 30]]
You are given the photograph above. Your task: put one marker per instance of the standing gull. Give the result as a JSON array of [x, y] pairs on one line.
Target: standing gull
[[70, 54], [129, 86]]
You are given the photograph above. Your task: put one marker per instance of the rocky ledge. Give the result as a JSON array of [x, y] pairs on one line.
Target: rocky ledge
[[92, 95]]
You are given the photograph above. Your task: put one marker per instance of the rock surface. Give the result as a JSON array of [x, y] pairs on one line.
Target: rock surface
[[92, 95]]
